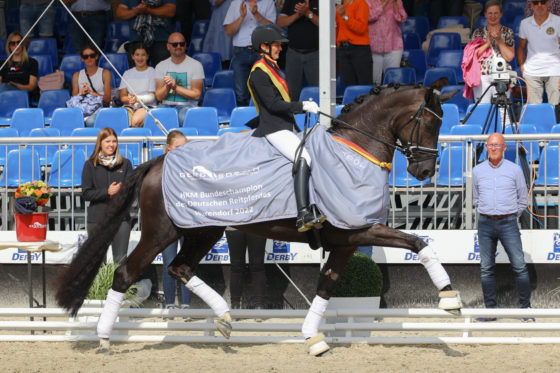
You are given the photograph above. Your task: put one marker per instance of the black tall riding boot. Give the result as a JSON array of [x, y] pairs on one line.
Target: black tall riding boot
[[308, 216]]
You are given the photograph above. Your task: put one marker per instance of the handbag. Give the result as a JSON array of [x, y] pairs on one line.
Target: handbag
[[88, 103], [51, 81]]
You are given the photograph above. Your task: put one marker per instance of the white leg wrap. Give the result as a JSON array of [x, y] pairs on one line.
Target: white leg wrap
[[208, 295], [109, 313], [310, 327], [429, 259]]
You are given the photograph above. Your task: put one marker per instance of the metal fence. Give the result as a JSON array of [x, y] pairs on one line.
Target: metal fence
[[442, 202]]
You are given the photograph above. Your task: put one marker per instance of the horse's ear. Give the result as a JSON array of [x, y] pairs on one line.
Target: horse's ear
[[438, 84], [448, 95]]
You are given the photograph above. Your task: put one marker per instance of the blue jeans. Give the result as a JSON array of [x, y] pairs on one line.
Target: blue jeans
[[242, 61], [94, 25], [181, 111], [169, 284], [505, 230], [28, 14]]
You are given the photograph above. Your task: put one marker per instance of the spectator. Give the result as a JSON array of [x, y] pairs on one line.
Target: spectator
[[241, 19], [150, 23], [142, 79], [439, 8], [29, 12], [92, 15], [92, 80], [102, 178], [20, 71], [179, 79], [500, 39], [540, 65], [353, 52], [239, 244], [216, 39], [302, 57], [414, 8], [175, 139], [189, 11], [385, 35], [554, 7], [500, 196]]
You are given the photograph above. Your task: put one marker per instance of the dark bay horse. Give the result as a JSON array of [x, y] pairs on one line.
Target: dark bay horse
[[407, 119]]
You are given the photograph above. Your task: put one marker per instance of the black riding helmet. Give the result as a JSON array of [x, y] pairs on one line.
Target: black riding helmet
[[267, 34]]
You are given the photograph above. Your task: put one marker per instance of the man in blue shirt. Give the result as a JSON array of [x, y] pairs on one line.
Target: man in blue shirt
[[500, 196]]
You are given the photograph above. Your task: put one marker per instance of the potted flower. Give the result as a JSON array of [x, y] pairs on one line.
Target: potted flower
[[359, 286], [31, 225]]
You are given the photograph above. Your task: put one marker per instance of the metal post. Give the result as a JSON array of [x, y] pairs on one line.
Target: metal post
[[468, 186], [327, 60]]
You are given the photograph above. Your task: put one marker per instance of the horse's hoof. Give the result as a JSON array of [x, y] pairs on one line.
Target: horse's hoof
[[450, 301], [104, 347], [317, 345], [223, 325]]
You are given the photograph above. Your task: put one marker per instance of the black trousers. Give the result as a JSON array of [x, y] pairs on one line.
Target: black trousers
[[238, 243], [187, 12], [355, 64]]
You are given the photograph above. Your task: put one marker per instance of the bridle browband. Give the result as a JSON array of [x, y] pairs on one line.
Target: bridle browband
[[410, 150]]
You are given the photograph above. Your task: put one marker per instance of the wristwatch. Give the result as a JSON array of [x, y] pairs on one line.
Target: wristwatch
[[310, 15], [345, 17]]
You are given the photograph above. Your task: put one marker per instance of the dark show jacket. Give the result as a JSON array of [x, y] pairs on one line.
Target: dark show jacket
[[275, 113], [95, 183]]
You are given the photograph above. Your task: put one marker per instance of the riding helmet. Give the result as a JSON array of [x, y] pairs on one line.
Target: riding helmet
[[267, 34]]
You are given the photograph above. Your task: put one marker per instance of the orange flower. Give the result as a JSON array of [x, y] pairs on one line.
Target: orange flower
[[38, 193]]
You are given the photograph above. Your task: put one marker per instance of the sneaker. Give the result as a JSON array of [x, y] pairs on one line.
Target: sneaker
[[169, 307], [486, 319], [186, 318]]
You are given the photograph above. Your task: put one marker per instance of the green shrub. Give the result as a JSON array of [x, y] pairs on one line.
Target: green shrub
[[103, 281], [361, 278]]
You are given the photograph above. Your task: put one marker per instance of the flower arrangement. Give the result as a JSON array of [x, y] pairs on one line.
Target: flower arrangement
[[37, 189]]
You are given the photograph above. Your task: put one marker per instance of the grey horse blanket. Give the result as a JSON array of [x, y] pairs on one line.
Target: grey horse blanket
[[241, 179]]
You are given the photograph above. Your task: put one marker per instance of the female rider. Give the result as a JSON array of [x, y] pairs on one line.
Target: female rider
[[276, 120]]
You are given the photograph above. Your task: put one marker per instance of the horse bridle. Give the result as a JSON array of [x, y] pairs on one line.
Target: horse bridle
[[410, 150]]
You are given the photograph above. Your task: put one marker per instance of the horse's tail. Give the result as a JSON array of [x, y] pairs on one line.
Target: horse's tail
[[74, 281]]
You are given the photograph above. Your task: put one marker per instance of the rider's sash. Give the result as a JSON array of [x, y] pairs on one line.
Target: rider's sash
[[276, 79], [363, 153]]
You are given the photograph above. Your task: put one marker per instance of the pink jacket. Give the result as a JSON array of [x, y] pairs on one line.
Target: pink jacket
[[471, 65]]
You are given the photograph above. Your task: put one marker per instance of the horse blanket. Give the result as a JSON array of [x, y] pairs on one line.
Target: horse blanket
[[241, 179]]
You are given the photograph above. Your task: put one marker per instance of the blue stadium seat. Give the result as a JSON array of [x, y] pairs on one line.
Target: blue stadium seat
[[547, 173], [353, 91], [118, 30], [187, 131], [212, 63], [22, 165], [195, 46], [480, 113], [204, 119], [481, 22], [221, 131], [88, 147], [67, 119], [166, 115], [24, 120], [450, 117], [223, 99], [45, 64], [4, 149], [241, 115], [309, 92], [46, 152], [451, 167], [541, 115], [68, 47], [223, 79], [338, 110], [112, 45], [452, 59], [9, 102], [115, 117], [399, 175], [44, 46], [417, 58], [442, 41], [51, 100], [119, 60], [447, 21], [466, 129], [66, 172], [510, 10], [300, 120], [404, 75], [71, 63], [419, 25], [435, 73], [411, 40], [133, 149], [461, 102], [200, 27]]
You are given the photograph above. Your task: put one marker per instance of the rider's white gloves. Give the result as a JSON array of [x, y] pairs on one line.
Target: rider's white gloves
[[310, 107]]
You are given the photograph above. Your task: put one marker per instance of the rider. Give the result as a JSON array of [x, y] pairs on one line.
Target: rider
[[276, 120]]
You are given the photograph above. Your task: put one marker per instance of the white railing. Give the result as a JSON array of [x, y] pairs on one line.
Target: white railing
[[441, 326]]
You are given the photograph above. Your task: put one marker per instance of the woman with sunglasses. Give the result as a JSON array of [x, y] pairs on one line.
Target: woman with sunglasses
[[92, 80], [142, 78], [21, 71]]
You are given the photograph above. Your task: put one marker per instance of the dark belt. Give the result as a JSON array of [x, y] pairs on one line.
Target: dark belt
[[497, 217], [247, 47], [90, 14], [303, 51]]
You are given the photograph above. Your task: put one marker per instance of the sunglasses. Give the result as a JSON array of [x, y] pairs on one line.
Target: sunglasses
[[14, 42], [178, 44], [91, 55], [537, 2], [495, 146]]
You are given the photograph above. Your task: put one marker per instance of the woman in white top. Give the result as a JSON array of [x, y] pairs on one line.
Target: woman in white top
[[141, 79], [92, 80]]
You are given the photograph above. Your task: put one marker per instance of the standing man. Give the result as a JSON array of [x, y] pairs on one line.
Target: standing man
[[540, 65], [92, 15], [302, 58], [242, 18], [180, 78], [500, 196]]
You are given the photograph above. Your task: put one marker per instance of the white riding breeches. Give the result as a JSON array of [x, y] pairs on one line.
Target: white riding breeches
[[286, 142]]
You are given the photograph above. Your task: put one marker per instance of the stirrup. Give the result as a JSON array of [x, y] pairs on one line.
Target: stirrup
[[309, 218]]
